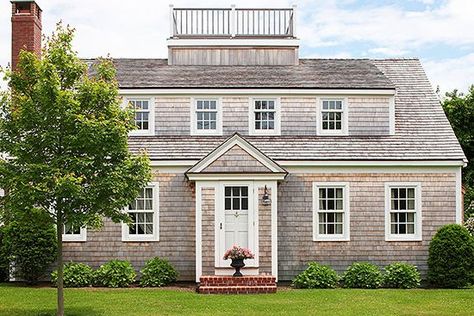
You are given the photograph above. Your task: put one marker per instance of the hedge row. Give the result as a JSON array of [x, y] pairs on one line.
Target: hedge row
[[117, 273], [359, 275]]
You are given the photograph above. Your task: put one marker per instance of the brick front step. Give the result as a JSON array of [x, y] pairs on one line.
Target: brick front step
[[255, 289], [216, 284]]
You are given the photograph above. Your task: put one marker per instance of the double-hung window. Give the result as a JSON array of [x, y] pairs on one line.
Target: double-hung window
[[403, 211], [143, 115], [331, 211], [265, 117], [206, 117], [143, 212], [332, 117], [74, 233]]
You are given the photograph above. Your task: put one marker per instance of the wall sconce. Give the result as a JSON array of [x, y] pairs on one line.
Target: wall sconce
[[266, 198]]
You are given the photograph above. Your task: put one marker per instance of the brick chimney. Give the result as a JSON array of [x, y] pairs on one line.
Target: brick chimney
[[26, 28]]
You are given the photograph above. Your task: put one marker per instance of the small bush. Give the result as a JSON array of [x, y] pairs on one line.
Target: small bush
[[362, 275], [115, 273], [316, 276], [451, 257], [402, 276], [75, 275], [30, 242], [158, 272], [4, 264], [469, 224]]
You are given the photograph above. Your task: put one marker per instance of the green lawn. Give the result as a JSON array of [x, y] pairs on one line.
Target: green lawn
[[17, 300]]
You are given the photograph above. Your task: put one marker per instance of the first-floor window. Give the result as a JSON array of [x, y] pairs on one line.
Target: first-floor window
[[143, 212], [74, 233], [331, 211], [403, 209]]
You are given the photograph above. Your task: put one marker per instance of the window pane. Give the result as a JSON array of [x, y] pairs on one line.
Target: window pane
[[245, 203], [213, 105], [411, 192], [339, 205], [199, 105], [149, 217], [338, 228], [149, 229], [322, 193], [322, 229], [236, 203], [411, 204], [244, 191], [410, 228], [394, 229], [228, 204]]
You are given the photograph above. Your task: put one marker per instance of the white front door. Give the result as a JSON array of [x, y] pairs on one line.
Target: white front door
[[236, 220]]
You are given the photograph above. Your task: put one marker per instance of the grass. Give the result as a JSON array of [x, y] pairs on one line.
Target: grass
[[20, 300]]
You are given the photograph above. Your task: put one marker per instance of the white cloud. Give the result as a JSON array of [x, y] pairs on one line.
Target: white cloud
[[140, 28], [386, 51], [451, 73]]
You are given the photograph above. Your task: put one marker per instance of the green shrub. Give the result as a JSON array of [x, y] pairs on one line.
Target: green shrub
[[4, 264], [75, 275], [115, 273], [469, 224], [30, 242], [158, 272], [402, 276], [451, 257], [362, 275], [316, 276]]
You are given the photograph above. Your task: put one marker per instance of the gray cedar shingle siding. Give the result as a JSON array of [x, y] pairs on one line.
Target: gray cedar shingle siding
[[236, 160], [177, 233], [422, 129], [367, 215]]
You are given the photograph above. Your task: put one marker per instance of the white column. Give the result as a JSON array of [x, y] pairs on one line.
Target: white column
[[171, 21], [294, 20], [233, 21]]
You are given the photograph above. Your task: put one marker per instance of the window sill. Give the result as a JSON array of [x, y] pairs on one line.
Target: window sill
[[396, 238], [143, 239], [343, 238], [141, 133]]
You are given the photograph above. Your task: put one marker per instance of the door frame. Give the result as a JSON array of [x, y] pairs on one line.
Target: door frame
[[252, 224]]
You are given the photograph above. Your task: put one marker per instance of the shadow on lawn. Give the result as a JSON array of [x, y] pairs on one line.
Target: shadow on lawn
[[51, 312]]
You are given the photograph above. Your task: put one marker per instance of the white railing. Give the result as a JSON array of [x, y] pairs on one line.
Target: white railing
[[232, 22]]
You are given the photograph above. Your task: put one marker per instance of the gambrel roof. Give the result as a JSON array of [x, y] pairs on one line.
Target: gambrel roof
[[422, 129], [309, 74]]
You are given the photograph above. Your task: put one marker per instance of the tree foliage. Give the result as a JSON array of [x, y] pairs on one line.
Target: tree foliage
[[30, 243], [459, 109], [65, 134]]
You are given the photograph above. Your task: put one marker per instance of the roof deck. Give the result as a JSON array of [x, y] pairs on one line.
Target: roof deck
[[232, 22]]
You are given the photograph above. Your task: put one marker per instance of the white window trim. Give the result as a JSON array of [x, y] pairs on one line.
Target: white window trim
[[346, 218], [418, 214], [193, 120], [345, 116], [277, 130], [151, 123], [81, 237], [156, 228]]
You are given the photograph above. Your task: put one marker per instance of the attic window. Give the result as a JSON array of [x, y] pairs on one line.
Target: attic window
[[206, 117], [143, 113], [332, 117], [265, 117]]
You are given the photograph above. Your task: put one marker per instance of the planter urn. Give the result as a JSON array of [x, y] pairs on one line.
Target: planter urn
[[237, 264]]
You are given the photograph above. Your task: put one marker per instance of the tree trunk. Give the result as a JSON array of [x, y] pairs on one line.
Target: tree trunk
[[59, 230]]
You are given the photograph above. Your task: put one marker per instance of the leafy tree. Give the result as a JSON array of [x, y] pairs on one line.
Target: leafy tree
[[65, 136], [459, 109], [30, 242]]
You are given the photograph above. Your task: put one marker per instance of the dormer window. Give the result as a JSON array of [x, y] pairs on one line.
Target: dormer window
[[265, 117], [332, 117], [144, 119], [206, 117]]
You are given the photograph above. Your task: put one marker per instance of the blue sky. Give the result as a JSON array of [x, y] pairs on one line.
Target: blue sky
[[439, 32]]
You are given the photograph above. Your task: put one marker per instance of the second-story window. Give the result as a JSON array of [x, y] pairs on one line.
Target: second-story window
[[143, 111], [332, 117], [265, 117], [206, 117]]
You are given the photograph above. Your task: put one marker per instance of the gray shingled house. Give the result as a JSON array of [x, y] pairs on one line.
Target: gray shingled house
[[328, 160]]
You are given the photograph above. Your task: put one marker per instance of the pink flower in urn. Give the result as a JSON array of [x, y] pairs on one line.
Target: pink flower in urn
[[237, 252]]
